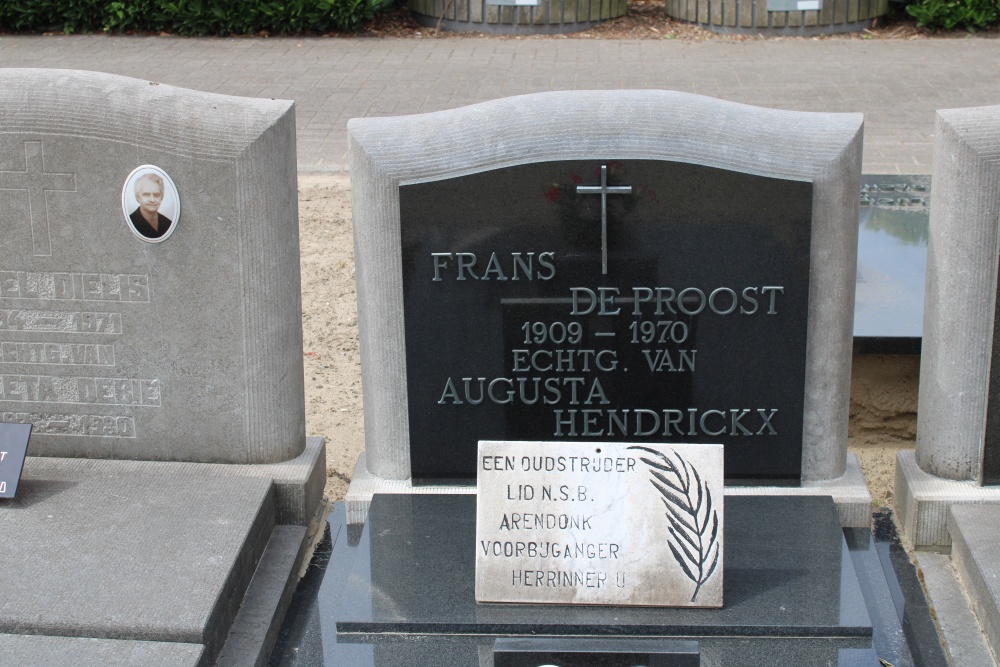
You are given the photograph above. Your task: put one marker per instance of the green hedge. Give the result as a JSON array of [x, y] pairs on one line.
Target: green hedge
[[951, 14], [189, 17]]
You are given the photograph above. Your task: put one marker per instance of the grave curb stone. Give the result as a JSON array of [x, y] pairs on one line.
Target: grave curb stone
[[973, 554], [627, 125], [962, 639], [922, 502], [255, 629], [259, 409]]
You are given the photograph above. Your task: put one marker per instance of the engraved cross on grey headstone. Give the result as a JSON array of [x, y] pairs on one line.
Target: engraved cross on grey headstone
[[38, 183], [604, 190]]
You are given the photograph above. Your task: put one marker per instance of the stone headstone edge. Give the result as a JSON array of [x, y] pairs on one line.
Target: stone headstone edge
[[824, 148]]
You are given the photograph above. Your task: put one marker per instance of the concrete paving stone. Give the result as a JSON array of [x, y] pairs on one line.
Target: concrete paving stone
[[884, 168], [42, 651], [899, 79]]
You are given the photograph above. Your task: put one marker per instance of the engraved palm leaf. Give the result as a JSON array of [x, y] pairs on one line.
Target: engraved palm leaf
[[694, 523]]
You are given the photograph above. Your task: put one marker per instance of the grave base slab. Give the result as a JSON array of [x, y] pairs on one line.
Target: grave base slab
[[162, 555], [409, 572], [849, 492], [42, 651], [786, 569], [923, 500]]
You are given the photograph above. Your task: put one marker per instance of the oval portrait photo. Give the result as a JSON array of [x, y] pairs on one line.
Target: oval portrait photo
[[151, 204]]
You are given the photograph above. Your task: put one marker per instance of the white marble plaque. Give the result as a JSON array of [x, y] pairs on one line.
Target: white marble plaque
[[599, 523]]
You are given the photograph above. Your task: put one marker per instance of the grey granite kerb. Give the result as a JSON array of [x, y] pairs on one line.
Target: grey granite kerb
[[634, 124]]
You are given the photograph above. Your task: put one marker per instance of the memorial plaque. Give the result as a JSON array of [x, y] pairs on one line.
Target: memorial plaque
[[600, 523], [13, 448], [633, 301]]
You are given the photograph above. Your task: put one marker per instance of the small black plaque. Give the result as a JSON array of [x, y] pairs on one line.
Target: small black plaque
[[558, 652], [672, 308], [13, 448]]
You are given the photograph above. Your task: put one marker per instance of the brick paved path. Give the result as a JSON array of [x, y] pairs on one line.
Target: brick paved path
[[897, 84]]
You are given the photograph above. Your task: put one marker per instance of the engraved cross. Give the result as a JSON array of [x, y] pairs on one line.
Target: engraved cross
[[38, 183], [604, 190]]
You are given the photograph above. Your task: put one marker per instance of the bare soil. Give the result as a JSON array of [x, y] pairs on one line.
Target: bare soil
[[883, 389]]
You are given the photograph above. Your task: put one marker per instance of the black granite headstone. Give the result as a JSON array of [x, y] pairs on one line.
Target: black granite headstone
[[13, 448], [990, 471], [672, 307], [991, 438]]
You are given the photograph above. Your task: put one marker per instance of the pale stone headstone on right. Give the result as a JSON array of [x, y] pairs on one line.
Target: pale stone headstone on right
[[957, 457], [948, 490]]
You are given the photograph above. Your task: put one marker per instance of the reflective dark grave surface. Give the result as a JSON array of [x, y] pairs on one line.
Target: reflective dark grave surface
[[799, 590], [892, 261], [517, 328]]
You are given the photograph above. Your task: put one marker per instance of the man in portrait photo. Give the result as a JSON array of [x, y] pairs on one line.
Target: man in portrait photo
[[147, 219]]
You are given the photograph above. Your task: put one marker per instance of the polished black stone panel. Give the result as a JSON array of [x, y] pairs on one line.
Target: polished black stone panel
[[309, 637], [991, 436], [901, 584], [13, 447], [787, 574], [892, 263], [507, 311]]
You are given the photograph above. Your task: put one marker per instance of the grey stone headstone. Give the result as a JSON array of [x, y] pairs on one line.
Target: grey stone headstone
[[602, 126], [186, 349], [958, 414]]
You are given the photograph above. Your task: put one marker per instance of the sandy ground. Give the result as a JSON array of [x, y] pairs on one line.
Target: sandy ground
[[883, 389]]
